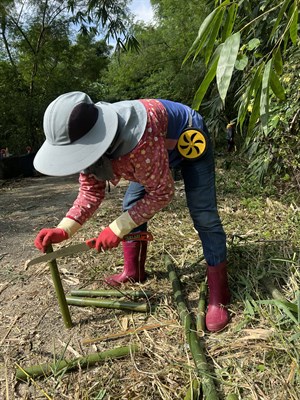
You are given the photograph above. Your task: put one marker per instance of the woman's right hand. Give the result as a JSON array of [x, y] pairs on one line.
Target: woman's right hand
[[49, 236]]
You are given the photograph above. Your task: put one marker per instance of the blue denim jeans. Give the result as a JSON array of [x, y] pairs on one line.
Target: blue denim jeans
[[199, 182]]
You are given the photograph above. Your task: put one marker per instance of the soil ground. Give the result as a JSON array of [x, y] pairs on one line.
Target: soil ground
[[31, 326]]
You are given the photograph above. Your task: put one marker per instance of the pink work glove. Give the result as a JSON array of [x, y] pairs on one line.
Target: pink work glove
[[106, 240], [49, 236]]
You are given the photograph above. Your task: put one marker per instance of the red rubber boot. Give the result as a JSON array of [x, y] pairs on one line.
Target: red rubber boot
[[134, 264], [217, 316]]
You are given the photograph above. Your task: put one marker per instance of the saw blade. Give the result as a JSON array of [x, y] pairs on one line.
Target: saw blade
[[65, 251]]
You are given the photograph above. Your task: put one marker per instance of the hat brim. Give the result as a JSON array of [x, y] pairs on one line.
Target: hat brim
[[71, 158]]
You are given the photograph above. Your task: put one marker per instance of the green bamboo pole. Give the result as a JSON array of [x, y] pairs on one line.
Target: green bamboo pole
[[135, 294], [200, 318], [275, 293], [60, 294], [195, 346], [36, 371], [119, 305]]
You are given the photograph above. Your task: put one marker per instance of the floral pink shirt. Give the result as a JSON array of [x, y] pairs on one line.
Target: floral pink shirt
[[147, 164]]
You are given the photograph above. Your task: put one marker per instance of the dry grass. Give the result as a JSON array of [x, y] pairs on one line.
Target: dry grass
[[256, 356]]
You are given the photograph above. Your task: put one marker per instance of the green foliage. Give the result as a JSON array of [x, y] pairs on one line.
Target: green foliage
[[156, 70], [226, 63], [250, 42], [240, 66], [110, 18], [277, 151], [219, 25], [40, 60]]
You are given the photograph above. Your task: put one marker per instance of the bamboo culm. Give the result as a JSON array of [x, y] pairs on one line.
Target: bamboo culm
[[200, 318], [195, 346], [60, 294], [104, 303], [135, 294], [36, 371], [275, 293]]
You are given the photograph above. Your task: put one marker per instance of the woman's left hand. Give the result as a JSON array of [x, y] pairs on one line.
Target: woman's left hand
[[106, 240]]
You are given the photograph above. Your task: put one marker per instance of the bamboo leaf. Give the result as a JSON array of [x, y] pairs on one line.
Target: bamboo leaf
[[213, 35], [285, 42], [253, 44], [226, 63], [279, 17], [193, 391], [203, 33], [232, 396], [264, 97], [286, 306], [294, 23], [198, 43], [211, 73], [255, 111], [254, 85], [199, 95], [249, 307], [243, 108], [241, 62], [276, 86], [277, 61], [230, 20]]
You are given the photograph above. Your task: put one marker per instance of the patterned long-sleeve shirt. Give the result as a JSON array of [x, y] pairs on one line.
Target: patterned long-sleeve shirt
[[147, 164]]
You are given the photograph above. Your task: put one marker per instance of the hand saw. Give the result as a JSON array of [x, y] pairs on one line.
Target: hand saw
[[85, 246]]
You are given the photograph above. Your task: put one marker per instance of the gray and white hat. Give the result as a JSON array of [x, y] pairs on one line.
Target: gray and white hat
[[78, 132]]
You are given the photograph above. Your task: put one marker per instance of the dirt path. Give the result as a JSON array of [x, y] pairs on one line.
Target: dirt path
[[31, 325], [28, 205]]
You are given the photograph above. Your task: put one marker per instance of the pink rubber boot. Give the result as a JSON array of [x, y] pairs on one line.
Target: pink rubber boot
[[217, 316], [134, 264]]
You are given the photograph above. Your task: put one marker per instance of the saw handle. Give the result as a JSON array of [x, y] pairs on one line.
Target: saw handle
[[91, 243], [138, 236]]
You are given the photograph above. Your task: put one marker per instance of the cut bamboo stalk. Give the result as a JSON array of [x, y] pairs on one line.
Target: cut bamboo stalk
[[193, 341], [103, 303], [60, 294], [83, 362], [38, 387], [200, 318], [275, 293], [128, 332], [135, 294]]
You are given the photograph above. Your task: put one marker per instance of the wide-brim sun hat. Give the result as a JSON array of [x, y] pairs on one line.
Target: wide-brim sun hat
[[78, 132]]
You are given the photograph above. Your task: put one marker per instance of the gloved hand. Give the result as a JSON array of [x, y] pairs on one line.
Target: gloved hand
[[49, 236], [106, 240]]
